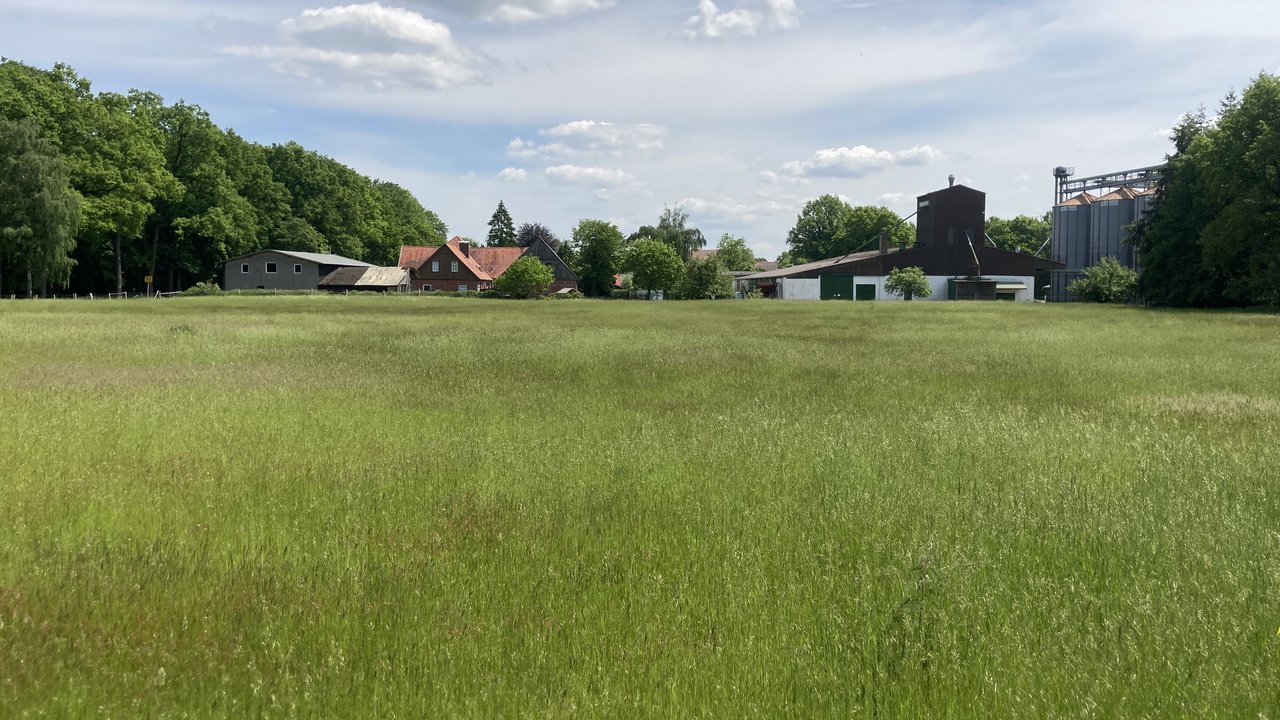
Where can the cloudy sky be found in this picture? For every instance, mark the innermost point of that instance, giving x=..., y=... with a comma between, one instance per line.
x=740, y=110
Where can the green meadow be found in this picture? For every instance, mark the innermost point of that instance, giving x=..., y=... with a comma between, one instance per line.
x=404, y=507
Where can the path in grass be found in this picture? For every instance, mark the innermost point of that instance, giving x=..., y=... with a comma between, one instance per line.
x=409, y=507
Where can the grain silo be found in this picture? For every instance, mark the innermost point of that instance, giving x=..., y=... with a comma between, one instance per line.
x=1112, y=216
x=1072, y=224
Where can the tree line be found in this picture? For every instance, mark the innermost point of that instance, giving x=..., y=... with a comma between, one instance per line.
x=100, y=190
x=658, y=257
x=1212, y=237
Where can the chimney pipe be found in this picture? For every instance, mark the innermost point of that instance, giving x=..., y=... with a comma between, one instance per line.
x=884, y=243
x=951, y=181
x=465, y=247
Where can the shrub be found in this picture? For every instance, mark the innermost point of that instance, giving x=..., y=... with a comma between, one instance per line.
x=527, y=277
x=907, y=283
x=1106, y=282
x=208, y=287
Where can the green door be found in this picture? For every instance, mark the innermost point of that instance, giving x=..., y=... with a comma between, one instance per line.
x=836, y=287
x=865, y=292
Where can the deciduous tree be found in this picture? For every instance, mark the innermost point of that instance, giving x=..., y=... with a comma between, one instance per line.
x=706, y=280
x=527, y=277
x=598, y=243
x=908, y=283
x=734, y=254
x=39, y=212
x=654, y=265
x=1106, y=282
x=530, y=233
x=1020, y=234
x=673, y=229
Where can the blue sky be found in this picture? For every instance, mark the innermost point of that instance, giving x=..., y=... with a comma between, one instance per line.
x=741, y=110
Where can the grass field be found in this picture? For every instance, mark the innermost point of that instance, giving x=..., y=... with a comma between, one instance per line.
x=411, y=508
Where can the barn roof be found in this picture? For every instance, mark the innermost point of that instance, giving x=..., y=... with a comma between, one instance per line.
x=317, y=258
x=455, y=246
x=807, y=267
x=496, y=260
x=368, y=277
x=412, y=256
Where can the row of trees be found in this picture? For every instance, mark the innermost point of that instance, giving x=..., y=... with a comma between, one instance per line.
x=659, y=258
x=1212, y=238
x=98, y=190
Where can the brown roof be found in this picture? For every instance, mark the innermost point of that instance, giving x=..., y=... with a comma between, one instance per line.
x=766, y=265
x=454, y=246
x=819, y=265
x=412, y=256
x=703, y=255
x=1124, y=193
x=496, y=260
x=1079, y=200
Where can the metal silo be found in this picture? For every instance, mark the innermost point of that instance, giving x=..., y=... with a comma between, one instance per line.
x=1112, y=215
x=1072, y=223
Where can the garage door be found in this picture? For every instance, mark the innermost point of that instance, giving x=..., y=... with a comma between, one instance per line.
x=836, y=287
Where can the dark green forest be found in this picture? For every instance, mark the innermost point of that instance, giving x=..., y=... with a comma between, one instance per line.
x=100, y=190
x=1212, y=239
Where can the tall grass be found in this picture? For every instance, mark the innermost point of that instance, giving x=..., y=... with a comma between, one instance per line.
x=417, y=507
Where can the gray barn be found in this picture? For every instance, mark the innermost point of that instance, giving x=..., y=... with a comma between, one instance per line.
x=282, y=270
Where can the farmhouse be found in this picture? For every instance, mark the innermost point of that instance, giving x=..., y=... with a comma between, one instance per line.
x=458, y=267
x=282, y=270
x=949, y=248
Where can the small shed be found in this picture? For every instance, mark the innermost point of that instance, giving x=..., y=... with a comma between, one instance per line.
x=370, y=279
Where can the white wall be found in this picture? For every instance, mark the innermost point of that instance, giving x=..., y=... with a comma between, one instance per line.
x=795, y=289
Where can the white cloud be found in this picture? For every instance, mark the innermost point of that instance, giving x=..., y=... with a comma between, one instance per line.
x=712, y=22
x=579, y=175
x=590, y=138
x=512, y=174
x=514, y=12
x=859, y=161
x=370, y=45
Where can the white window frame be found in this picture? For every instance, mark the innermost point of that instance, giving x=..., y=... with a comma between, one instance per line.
x=427, y=287
x=462, y=287
x=297, y=268
x=453, y=266
x=271, y=268
x=244, y=268
x=435, y=266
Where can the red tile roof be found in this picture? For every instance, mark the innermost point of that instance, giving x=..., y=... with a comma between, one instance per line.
x=496, y=260
x=454, y=246
x=412, y=256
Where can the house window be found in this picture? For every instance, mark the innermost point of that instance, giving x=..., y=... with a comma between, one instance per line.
x=435, y=266
x=461, y=288
x=271, y=268
x=244, y=268
x=297, y=269
x=427, y=288
x=453, y=266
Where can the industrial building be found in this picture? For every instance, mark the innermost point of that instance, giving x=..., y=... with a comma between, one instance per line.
x=949, y=248
x=1092, y=217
